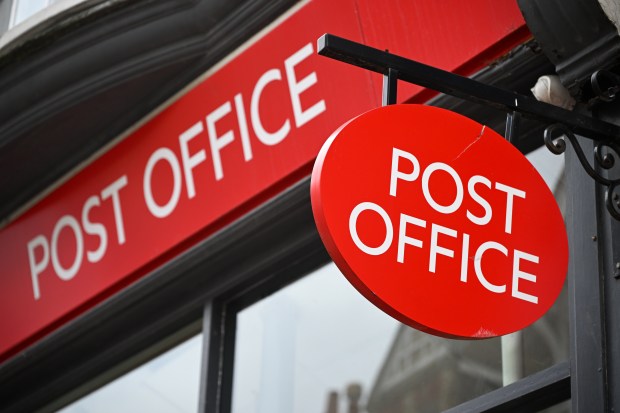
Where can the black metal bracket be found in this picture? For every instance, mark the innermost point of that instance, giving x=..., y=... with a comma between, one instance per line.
x=564, y=124
x=555, y=140
x=605, y=85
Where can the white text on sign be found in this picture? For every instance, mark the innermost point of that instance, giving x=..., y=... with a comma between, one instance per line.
x=409, y=223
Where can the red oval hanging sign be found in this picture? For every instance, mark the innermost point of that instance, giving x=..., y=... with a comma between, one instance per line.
x=439, y=221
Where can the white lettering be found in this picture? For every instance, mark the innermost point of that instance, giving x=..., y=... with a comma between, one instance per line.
x=488, y=212
x=517, y=274
x=266, y=137
x=296, y=88
x=190, y=162
x=218, y=142
x=365, y=206
x=397, y=174
x=439, y=166
x=112, y=191
x=510, y=194
x=67, y=273
x=37, y=268
x=435, y=249
x=465, y=257
x=478, y=265
x=94, y=229
x=243, y=127
x=162, y=211
x=404, y=239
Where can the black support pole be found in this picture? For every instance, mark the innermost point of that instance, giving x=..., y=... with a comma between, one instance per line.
x=584, y=289
x=427, y=76
x=390, y=84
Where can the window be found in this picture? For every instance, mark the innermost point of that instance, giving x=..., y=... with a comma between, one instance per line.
x=318, y=342
x=170, y=382
x=22, y=9
x=14, y=12
x=318, y=346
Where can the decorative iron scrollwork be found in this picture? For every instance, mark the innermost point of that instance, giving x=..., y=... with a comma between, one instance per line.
x=605, y=153
x=605, y=85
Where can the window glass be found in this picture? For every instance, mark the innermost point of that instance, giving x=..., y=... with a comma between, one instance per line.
x=564, y=407
x=23, y=9
x=168, y=383
x=319, y=346
x=26, y=8
x=550, y=167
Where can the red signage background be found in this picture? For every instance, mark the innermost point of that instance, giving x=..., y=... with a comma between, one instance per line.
x=440, y=222
x=96, y=233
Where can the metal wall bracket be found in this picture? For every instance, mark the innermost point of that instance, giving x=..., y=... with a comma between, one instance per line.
x=555, y=140
x=605, y=85
x=564, y=124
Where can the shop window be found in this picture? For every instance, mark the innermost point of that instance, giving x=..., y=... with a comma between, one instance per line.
x=564, y=407
x=20, y=10
x=167, y=383
x=5, y=15
x=319, y=346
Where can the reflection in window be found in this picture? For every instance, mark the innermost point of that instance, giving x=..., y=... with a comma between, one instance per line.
x=26, y=8
x=312, y=337
x=423, y=373
x=168, y=383
x=564, y=407
x=23, y=9
x=318, y=346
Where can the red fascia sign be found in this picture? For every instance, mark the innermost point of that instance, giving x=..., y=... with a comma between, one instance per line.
x=245, y=131
x=234, y=137
x=440, y=222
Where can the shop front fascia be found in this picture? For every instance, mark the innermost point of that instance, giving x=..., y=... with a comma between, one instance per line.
x=164, y=186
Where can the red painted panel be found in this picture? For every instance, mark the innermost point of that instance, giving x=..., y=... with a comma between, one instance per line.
x=417, y=209
x=333, y=89
x=453, y=35
x=197, y=182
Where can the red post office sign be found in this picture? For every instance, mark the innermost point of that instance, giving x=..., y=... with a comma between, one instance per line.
x=440, y=222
